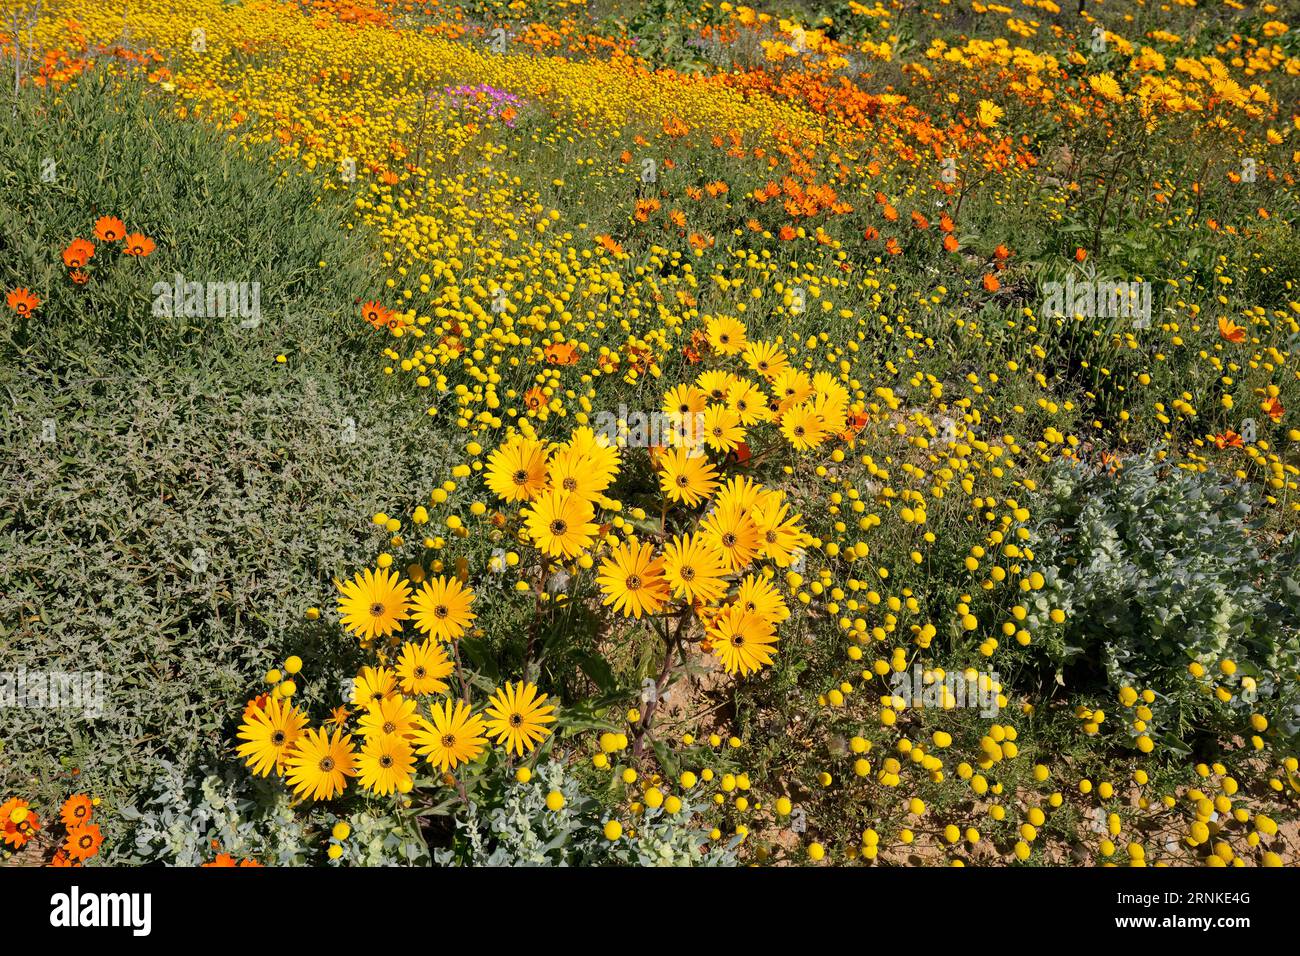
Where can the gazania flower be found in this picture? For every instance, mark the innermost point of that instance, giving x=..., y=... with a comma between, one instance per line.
x=1230, y=331
x=517, y=717
x=747, y=401
x=742, y=641
x=988, y=113
x=757, y=595
x=222, y=861
x=82, y=842
x=78, y=253
x=391, y=716
x=726, y=335
x=269, y=733
x=765, y=359
x=562, y=353
x=77, y=810
x=22, y=301
x=742, y=493
x=803, y=427
x=374, y=603
x=385, y=764
x=714, y=384
x=632, y=580
x=451, y=736
x=138, y=244
x=517, y=470
x=694, y=569
x=109, y=228
x=78, y=276
x=374, y=313
x=18, y=823
x=721, y=429
x=321, y=764
x=422, y=667
x=372, y=685
x=561, y=524
x=791, y=387
x=733, y=532
x=441, y=608
x=686, y=477
x=684, y=402
x=572, y=472
x=601, y=458
x=779, y=534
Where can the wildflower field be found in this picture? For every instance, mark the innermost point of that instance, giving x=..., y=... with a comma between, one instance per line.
x=565, y=432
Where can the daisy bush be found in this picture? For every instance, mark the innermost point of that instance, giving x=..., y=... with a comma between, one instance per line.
x=864, y=437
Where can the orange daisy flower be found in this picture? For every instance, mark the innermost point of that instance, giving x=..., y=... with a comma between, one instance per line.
x=76, y=810
x=22, y=301
x=138, y=244
x=375, y=314
x=83, y=842
x=78, y=253
x=109, y=228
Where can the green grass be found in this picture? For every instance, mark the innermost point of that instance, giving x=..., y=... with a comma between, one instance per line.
x=197, y=494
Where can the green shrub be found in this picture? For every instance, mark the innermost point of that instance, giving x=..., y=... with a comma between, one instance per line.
x=171, y=498
x=509, y=824
x=1157, y=567
x=186, y=818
